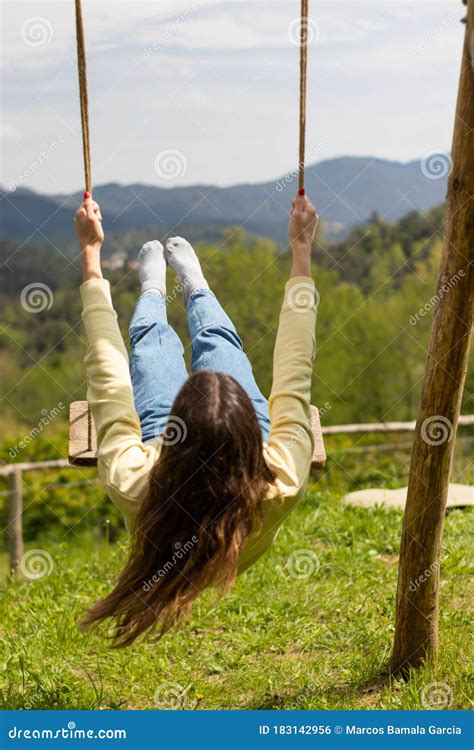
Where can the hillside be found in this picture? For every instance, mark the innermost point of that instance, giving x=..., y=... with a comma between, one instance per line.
x=346, y=191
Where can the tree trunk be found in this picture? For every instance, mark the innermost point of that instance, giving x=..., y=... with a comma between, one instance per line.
x=416, y=629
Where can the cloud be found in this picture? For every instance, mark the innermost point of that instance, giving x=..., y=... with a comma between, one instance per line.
x=9, y=132
x=218, y=80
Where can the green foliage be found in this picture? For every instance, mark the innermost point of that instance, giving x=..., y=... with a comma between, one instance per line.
x=371, y=338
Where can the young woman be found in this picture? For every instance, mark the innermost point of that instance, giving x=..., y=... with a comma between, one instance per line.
x=203, y=468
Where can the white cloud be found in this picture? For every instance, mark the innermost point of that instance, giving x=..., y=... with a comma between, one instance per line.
x=8, y=132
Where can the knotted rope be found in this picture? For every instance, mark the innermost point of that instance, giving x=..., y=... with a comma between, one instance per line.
x=303, y=89
x=82, y=73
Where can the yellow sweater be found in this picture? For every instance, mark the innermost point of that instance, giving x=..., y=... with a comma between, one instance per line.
x=124, y=462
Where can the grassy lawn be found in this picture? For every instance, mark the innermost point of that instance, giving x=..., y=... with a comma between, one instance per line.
x=308, y=627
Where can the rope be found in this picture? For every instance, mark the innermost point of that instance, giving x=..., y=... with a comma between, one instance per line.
x=82, y=73
x=303, y=89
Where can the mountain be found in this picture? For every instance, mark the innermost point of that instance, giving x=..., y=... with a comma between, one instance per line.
x=346, y=192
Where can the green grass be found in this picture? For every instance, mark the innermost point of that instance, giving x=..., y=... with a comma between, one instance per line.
x=276, y=641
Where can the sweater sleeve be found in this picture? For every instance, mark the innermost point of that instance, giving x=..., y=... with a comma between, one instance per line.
x=291, y=442
x=124, y=462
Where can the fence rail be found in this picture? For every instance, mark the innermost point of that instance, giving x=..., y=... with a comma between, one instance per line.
x=346, y=429
x=14, y=474
x=60, y=463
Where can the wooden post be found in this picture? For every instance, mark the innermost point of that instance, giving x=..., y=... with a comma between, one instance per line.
x=416, y=628
x=15, y=519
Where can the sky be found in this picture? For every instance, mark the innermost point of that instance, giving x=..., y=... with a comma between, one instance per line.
x=206, y=91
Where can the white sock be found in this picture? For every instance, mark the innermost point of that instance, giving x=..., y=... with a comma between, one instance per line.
x=152, y=267
x=183, y=260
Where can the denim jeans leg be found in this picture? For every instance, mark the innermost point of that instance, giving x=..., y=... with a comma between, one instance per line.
x=157, y=366
x=217, y=346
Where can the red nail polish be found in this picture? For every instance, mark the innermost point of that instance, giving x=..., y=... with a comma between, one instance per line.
x=301, y=191
x=86, y=196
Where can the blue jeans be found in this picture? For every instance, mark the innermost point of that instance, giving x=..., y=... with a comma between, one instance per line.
x=157, y=364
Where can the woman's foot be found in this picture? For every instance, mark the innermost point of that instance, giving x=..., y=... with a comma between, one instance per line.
x=183, y=260
x=152, y=267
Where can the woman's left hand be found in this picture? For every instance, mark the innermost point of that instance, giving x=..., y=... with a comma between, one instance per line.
x=88, y=222
x=90, y=234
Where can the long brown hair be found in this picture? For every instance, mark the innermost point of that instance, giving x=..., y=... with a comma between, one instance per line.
x=205, y=496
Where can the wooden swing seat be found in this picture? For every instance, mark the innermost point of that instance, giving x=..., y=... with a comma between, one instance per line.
x=83, y=440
